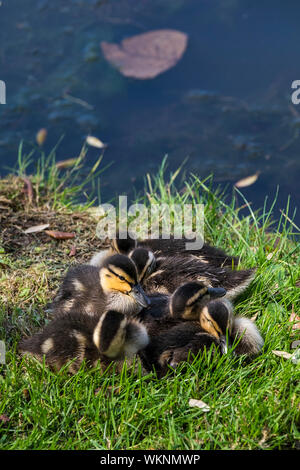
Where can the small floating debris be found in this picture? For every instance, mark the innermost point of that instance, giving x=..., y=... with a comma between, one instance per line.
x=41, y=136
x=248, y=181
x=66, y=163
x=95, y=142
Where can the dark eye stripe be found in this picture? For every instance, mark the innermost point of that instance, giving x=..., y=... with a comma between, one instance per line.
x=120, y=277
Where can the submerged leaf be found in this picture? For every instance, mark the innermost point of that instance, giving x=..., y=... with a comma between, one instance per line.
x=247, y=181
x=146, y=55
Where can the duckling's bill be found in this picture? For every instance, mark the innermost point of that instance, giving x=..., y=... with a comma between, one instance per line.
x=138, y=294
x=216, y=292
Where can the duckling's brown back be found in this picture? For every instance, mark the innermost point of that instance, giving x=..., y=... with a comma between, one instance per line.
x=80, y=291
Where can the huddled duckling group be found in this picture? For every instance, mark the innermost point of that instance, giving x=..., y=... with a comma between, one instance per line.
x=154, y=299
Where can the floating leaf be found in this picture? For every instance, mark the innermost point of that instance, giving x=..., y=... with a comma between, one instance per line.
x=283, y=354
x=60, y=235
x=36, y=228
x=66, y=163
x=95, y=142
x=146, y=55
x=41, y=136
x=247, y=181
x=199, y=404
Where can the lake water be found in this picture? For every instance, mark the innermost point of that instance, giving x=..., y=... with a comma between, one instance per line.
x=226, y=105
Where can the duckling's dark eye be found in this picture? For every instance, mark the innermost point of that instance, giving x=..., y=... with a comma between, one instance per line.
x=122, y=278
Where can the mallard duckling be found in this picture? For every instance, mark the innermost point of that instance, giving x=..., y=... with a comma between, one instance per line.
x=223, y=329
x=144, y=261
x=143, y=258
x=117, y=246
x=175, y=265
x=173, y=339
x=184, y=304
x=172, y=323
x=91, y=290
x=76, y=337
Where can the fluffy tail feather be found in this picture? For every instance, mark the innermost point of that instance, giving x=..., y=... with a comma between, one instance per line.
x=247, y=336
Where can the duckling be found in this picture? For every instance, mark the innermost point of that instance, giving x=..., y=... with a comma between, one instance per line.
x=173, y=322
x=210, y=323
x=143, y=258
x=222, y=330
x=169, y=247
x=144, y=261
x=117, y=245
x=92, y=290
x=77, y=337
x=176, y=265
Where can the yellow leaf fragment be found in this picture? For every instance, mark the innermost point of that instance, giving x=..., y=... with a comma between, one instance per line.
x=247, y=181
x=66, y=163
x=95, y=142
x=41, y=136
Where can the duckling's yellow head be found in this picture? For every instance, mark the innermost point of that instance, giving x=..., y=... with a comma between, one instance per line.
x=144, y=261
x=190, y=298
x=217, y=318
x=118, y=275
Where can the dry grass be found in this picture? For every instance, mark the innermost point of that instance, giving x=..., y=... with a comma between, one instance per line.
x=31, y=265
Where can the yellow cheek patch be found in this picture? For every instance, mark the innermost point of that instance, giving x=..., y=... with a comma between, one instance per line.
x=122, y=273
x=208, y=324
x=114, y=283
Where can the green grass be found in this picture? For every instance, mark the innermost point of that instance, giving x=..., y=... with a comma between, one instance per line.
x=253, y=405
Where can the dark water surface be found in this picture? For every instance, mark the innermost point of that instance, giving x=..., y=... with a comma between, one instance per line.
x=226, y=105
